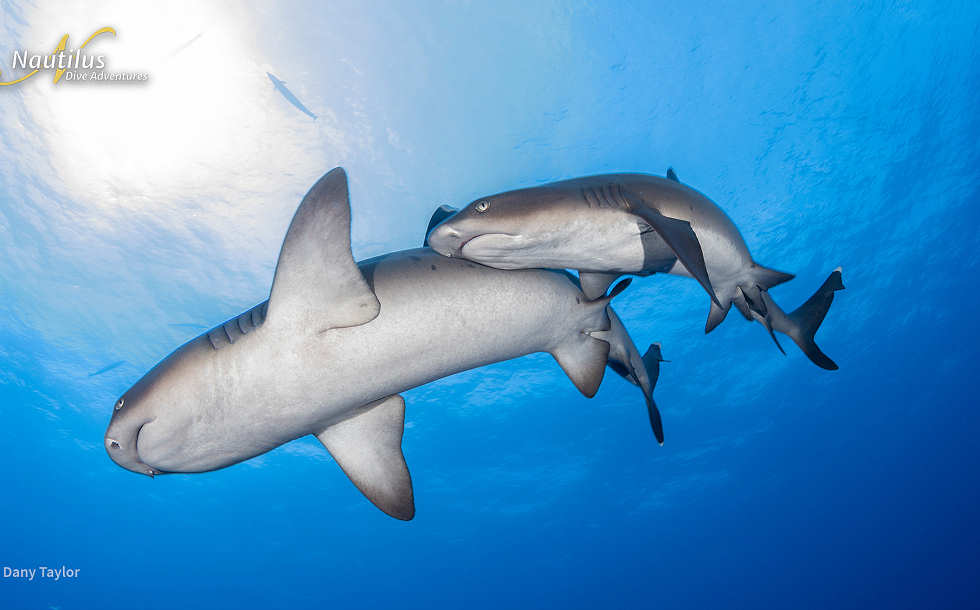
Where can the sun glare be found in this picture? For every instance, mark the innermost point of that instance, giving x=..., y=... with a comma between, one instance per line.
x=203, y=113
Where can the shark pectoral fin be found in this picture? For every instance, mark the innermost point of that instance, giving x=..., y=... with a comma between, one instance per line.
x=672, y=175
x=679, y=235
x=594, y=285
x=442, y=213
x=317, y=283
x=651, y=362
x=368, y=447
x=584, y=361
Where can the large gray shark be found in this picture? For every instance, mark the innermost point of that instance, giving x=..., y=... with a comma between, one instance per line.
x=608, y=225
x=335, y=344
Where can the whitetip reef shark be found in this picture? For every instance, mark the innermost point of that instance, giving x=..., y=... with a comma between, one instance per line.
x=613, y=224
x=337, y=341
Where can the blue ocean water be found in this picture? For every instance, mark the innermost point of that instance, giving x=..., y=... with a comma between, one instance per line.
x=133, y=217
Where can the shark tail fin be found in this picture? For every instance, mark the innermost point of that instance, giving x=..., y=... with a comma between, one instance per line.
x=651, y=362
x=641, y=371
x=801, y=324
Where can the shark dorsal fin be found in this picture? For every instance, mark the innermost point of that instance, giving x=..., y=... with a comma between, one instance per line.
x=317, y=284
x=442, y=213
x=672, y=175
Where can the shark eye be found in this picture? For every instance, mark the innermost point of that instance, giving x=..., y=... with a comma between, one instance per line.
x=120, y=403
x=482, y=206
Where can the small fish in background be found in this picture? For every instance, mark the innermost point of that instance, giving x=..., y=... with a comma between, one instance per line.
x=107, y=368
x=188, y=325
x=286, y=93
x=183, y=46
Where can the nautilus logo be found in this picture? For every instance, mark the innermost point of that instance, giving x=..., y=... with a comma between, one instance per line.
x=70, y=64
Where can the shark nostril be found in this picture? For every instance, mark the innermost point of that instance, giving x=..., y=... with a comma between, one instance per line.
x=114, y=444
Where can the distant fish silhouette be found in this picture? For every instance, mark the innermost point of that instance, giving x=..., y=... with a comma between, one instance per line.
x=190, y=325
x=286, y=93
x=184, y=46
x=107, y=368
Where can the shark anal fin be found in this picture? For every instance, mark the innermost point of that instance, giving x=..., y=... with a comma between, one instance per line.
x=442, y=213
x=594, y=285
x=317, y=283
x=681, y=238
x=368, y=447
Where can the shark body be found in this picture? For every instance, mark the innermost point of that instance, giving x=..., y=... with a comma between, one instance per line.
x=337, y=341
x=613, y=224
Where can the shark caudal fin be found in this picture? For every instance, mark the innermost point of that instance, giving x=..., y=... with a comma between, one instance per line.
x=651, y=363
x=801, y=324
x=641, y=371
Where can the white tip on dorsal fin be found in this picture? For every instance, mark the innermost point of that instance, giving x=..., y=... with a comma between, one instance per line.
x=317, y=284
x=368, y=447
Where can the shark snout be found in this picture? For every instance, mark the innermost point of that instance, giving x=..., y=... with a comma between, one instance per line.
x=121, y=442
x=446, y=240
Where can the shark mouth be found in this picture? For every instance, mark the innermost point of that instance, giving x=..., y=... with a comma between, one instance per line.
x=491, y=246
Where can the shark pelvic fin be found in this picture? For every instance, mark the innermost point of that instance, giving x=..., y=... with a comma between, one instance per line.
x=766, y=278
x=716, y=315
x=672, y=175
x=368, y=447
x=442, y=213
x=317, y=283
x=594, y=285
x=679, y=235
